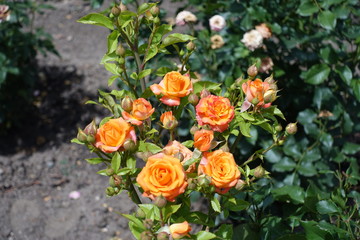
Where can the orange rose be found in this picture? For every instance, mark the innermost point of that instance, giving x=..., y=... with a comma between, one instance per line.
x=180, y=230
x=222, y=169
x=255, y=90
x=111, y=136
x=141, y=110
x=174, y=148
x=203, y=139
x=168, y=120
x=162, y=175
x=173, y=86
x=214, y=111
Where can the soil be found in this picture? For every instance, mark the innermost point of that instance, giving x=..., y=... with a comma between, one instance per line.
x=39, y=167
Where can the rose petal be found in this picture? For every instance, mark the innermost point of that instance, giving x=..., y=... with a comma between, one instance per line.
x=170, y=101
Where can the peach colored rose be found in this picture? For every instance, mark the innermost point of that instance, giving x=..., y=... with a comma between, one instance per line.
x=180, y=230
x=264, y=30
x=173, y=87
x=203, y=139
x=255, y=90
x=111, y=136
x=173, y=148
x=222, y=169
x=168, y=120
x=141, y=110
x=162, y=175
x=215, y=111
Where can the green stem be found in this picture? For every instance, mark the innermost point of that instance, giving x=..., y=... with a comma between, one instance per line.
x=233, y=146
x=127, y=82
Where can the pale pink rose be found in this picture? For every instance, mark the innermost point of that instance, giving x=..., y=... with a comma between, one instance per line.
x=252, y=39
x=217, y=23
x=266, y=65
x=184, y=17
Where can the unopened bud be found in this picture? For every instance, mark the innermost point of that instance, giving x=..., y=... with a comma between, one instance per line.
x=155, y=10
x=162, y=236
x=111, y=182
x=91, y=128
x=291, y=128
x=193, y=99
x=110, y=191
x=121, y=62
x=252, y=71
x=204, y=93
x=273, y=86
x=240, y=185
x=148, y=223
x=160, y=201
x=278, y=128
x=171, y=124
x=109, y=172
x=156, y=20
x=144, y=155
x=225, y=148
x=127, y=104
x=259, y=172
x=146, y=235
x=191, y=184
x=194, y=129
x=117, y=180
x=140, y=213
x=255, y=101
x=238, y=81
x=270, y=79
x=269, y=96
x=115, y=11
x=90, y=139
x=190, y=46
x=204, y=180
x=120, y=50
x=122, y=7
x=129, y=145
x=81, y=136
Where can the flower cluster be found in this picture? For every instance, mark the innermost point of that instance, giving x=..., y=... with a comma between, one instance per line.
x=254, y=38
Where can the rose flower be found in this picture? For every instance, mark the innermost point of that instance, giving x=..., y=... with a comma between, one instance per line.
x=180, y=230
x=141, y=110
x=176, y=149
x=168, y=120
x=215, y=111
x=173, y=86
x=203, y=139
x=162, y=175
x=217, y=23
x=255, y=90
x=222, y=169
x=184, y=17
x=111, y=136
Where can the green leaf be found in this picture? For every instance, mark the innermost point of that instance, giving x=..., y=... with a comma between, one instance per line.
x=307, y=8
x=162, y=71
x=135, y=220
x=97, y=19
x=314, y=232
x=113, y=68
x=245, y=128
x=112, y=41
x=188, y=143
x=115, y=162
x=148, y=147
x=293, y=193
x=102, y=172
x=131, y=163
x=170, y=209
x=210, y=86
x=327, y=20
x=153, y=50
x=316, y=74
x=355, y=85
x=351, y=148
x=112, y=79
x=215, y=204
x=144, y=73
x=236, y=205
x=75, y=140
x=94, y=160
x=203, y=235
x=225, y=231
x=134, y=76
x=176, y=38
x=144, y=7
x=345, y=73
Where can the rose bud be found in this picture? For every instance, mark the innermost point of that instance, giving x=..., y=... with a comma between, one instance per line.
x=81, y=136
x=162, y=236
x=179, y=156
x=127, y=104
x=90, y=139
x=291, y=128
x=109, y=171
x=204, y=180
x=168, y=120
x=252, y=71
x=120, y=50
x=112, y=182
x=204, y=93
x=278, y=128
x=115, y=11
x=241, y=184
x=129, y=145
x=146, y=235
x=270, y=96
x=91, y=128
x=154, y=11
x=180, y=230
x=190, y=46
x=193, y=99
x=191, y=184
x=110, y=191
x=140, y=213
x=160, y=201
x=259, y=172
x=122, y=7
x=117, y=180
x=148, y=223
x=270, y=79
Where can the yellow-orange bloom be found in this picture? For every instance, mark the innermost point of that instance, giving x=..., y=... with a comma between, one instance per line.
x=173, y=86
x=203, y=139
x=111, y=136
x=215, y=111
x=174, y=148
x=180, y=230
x=222, y=169
x=162, y=175
x=255, y=90
x=141, y=110
x=168, y=120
